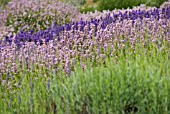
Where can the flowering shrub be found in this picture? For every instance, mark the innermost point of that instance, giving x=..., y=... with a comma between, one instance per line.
x=103, y=62
x=36, y=15
x=94, y=26
x=90, y=39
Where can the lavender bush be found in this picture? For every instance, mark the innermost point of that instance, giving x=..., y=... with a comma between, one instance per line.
x=90, y=39
x=114, y=62
x=36, y=15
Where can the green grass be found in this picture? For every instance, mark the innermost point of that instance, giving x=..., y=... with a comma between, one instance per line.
x=136, y=81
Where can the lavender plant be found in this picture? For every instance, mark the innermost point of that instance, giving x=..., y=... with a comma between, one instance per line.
x=36, y=15
x=94, y=25
x=134, y=83
x=114, y=63
x=88, y=38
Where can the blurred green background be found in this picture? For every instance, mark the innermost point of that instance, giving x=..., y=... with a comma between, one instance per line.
x=92, y=5
x=117, y=4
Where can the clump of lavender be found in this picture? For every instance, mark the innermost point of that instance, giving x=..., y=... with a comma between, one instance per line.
x=93, y=25
x=36, y=15
x=58, y=46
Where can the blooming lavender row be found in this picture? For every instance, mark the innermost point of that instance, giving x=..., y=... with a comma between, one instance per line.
x=34, y=14
x=98, y=24
x=59, y=46
x=71, y=45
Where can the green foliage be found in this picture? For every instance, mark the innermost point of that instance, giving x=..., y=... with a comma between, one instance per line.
x=119, y=4
x=136, y=81
x=87, y=9
x=95, y=0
